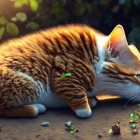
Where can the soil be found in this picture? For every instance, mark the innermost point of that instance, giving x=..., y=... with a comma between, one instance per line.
x=107, y=113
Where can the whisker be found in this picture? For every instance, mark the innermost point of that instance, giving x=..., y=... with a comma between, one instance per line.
x=131, y=99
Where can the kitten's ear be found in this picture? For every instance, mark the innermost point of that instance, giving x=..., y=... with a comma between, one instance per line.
x=119, y=50
x=117, y=43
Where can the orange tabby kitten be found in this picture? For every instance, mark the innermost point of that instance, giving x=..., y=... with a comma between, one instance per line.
x=99, y=64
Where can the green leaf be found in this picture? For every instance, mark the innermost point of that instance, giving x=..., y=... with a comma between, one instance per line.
x=12, y=29
x=20, y=3
x=3, y=20
x=80, y=9
x=136, y=2
x=33, y=5
x=21, y=16
x=2, y=29
x=33, y=25
x=14, y=19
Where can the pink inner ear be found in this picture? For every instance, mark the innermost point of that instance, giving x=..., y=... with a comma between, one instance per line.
x=115, y=49
x=117, y=42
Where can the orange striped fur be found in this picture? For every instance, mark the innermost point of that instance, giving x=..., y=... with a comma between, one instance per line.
x=30, y=63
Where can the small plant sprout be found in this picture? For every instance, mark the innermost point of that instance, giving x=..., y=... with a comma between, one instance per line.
x=132, y=121
x=67, y=74
x=110, y=131
x=71, y=127
x=135, y=117
x=138, y=116
x=131, y=115
x=72, y=132
x=133, y=126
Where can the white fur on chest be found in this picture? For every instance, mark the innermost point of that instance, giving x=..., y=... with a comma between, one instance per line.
x=101, y=41
x=98, y=66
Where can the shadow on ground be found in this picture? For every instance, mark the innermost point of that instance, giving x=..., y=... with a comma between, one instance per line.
x=104, y=116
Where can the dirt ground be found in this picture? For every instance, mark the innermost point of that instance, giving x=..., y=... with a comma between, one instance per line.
x=104, y=116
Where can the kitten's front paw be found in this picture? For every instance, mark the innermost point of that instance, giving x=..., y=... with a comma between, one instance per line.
x=41, y=108
x=83, y=113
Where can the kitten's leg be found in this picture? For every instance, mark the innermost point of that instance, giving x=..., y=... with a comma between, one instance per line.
x=93, y=101
x=73, y=88
x=18, y=92
x=76, y=98
x=74, y=94
x=23, y=111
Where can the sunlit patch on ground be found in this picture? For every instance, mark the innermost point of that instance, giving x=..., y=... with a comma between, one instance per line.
x=108, y=97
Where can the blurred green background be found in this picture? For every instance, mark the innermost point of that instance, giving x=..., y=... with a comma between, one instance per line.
x=19, y=17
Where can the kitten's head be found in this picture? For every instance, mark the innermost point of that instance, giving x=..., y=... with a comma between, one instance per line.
x=123, y=65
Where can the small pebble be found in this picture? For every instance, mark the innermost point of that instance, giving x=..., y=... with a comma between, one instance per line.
x=45, y=123
x=37, y=136
x=116, y=129
x=68, y=124
x=77, y=130
x=99, y=135
x=134, y=131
